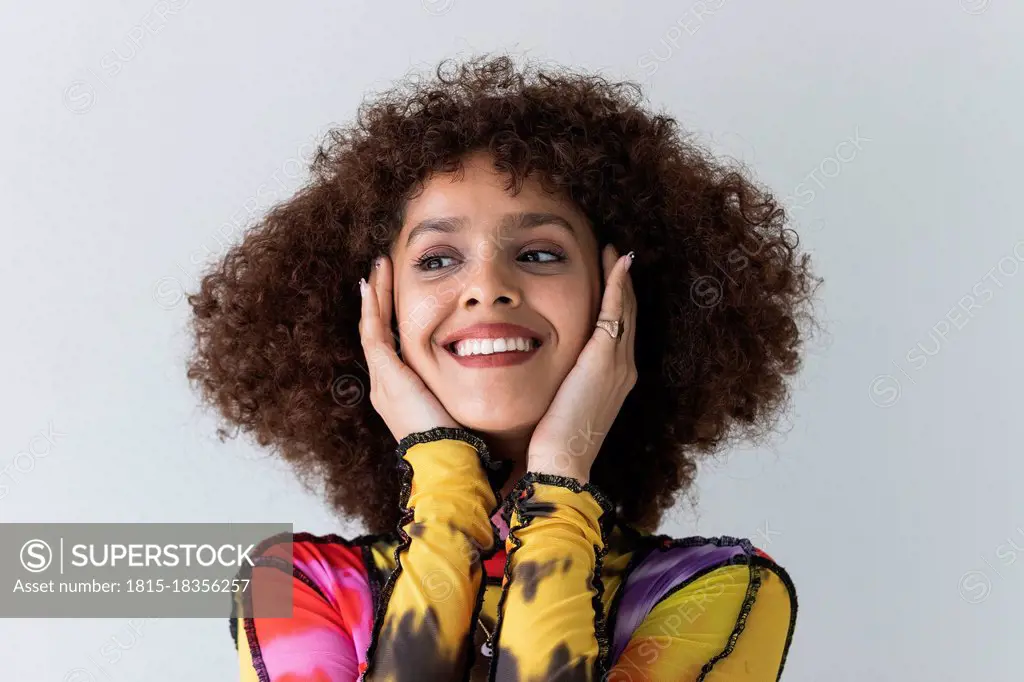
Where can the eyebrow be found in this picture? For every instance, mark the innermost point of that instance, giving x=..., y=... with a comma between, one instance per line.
x=509, y=222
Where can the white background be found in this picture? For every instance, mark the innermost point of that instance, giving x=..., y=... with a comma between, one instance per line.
x=138, y=135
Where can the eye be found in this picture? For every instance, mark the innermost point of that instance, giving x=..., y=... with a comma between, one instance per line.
x=538, y=256
x=432, y=262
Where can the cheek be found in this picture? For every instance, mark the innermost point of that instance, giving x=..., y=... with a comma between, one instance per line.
x=571, y=310
x=419, y=309
x=413, y=311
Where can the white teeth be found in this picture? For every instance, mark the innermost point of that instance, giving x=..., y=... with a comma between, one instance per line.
x=489, y=346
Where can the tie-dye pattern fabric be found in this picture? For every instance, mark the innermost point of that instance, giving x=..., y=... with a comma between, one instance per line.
x=565, y=590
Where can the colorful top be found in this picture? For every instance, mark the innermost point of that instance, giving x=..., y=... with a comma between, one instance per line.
x=547, y=586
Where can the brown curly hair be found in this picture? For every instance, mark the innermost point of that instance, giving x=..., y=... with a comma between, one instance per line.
x=720, y=286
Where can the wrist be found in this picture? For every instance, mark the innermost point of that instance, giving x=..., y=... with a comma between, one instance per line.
x=554, y=495
x=429, y=447
x=559, y=464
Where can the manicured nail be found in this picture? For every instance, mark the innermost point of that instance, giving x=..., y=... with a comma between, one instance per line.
x=376, y=263
x=629, y=259
x=362, y=286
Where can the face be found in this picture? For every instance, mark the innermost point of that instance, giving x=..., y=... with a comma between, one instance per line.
x=495, y=296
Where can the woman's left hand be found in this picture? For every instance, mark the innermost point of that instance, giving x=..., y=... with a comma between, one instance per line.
x=569, y=436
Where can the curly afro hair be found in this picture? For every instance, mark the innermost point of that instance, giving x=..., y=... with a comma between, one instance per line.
x=720, y=285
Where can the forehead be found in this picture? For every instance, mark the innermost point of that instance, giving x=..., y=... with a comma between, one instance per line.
x=478, y=194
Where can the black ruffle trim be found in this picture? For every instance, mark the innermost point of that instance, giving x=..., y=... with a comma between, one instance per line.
x=638, y=554
x=251, y=640
x=531, y=477
x=245, y=573
x=389, y=584
x=741, y=621
x=497, y=472
x=496, y=544
x=492, y=641
x=522, y=491
x=600, y=623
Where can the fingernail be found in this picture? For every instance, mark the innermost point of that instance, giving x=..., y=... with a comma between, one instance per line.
x=629, y=259
x=362, y=286
x=376, y=263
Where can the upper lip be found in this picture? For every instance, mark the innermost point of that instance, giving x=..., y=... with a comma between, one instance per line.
x=490, y=330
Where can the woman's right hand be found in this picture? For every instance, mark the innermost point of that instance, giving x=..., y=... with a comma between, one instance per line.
x=396, y=391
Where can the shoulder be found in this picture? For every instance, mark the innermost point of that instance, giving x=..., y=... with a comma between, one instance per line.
x=707, y=561
x=315, y=555
x=665, y=565
x=326, y=571
x=681, y=560
x=716, y=585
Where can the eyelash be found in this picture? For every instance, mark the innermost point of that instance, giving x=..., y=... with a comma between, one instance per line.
x=421, y=263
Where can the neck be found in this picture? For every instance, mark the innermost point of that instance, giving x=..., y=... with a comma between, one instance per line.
x=517, y=472
x=512, y=446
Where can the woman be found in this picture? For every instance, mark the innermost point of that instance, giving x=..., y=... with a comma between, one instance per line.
x=536, y=398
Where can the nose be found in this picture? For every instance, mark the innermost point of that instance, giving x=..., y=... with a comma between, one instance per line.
x=490, y=282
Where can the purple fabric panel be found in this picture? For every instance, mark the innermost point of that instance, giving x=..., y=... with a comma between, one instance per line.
x=658, y=573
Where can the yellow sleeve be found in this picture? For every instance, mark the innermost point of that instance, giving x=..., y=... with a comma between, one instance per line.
x=732, y=625
x=246, y=671
x=550, y=617
x=423, y=629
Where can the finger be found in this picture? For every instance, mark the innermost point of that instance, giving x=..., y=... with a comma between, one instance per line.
x=629, y=316
x=613, y=300
x=376, y=341
x=381, y=304
x=620, y=278
x=624, y=283
x=609, y=255
x=367, y=328
x=384, y=286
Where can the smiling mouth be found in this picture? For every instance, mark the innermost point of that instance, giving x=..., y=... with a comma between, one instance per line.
x=485, y=347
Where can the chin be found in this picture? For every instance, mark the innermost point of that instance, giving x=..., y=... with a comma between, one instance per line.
x=493, y=419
